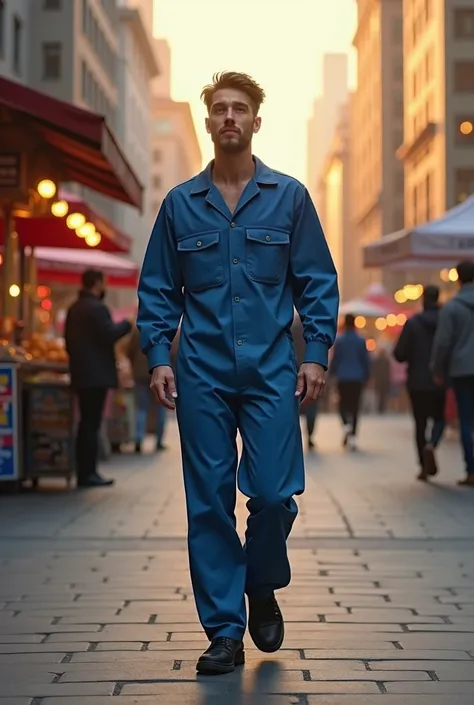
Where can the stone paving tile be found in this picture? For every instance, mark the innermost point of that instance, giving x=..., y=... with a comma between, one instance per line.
x=109, y=616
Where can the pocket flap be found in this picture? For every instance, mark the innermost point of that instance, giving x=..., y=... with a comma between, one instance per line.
x=194, y=243
x=268, y=237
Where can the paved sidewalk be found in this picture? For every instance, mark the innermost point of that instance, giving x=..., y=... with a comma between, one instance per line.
x=95, y=597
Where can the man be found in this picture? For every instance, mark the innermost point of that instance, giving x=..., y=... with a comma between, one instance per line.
x=453, y=359
x=144, y=397
x=230, y=251
x=428, y=400
x=310, y=411
x=90, y=339
x=350, y=366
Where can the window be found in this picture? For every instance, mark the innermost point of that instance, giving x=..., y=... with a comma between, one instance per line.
x=428, y=192
x=464, y=23
x=157, y=181
x=464, y=184
x=464, y=131
x=52, y=4
x=157, y=156
x=464, y=76
x=52, y=60
x=2, y=28
x=17, y=33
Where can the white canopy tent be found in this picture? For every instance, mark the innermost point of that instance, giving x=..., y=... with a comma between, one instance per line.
x=439, y=243
x=361, y=307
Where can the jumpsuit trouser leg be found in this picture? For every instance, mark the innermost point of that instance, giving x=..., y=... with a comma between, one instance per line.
x=271, y=471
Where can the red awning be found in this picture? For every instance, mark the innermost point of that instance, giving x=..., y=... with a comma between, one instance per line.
x=63, y=266
x=84, y=145
x=53, y=232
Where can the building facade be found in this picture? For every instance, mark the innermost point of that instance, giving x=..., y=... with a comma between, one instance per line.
x=377, y=190
x=137, y=67
x=14, y=40
x=324, y=117
x=438, y=148
x=335, y=212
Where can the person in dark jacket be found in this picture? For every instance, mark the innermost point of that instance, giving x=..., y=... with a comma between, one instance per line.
x=453, y=359
x=91, y=335
x=350, y=366
x=428, y=400
x=311, y=410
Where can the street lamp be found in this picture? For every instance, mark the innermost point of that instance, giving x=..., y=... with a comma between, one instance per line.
x=46, y=188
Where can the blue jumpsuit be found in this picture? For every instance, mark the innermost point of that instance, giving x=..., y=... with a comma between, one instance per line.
x=234, y=279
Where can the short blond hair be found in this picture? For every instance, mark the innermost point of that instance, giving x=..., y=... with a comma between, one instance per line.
x=239, y=81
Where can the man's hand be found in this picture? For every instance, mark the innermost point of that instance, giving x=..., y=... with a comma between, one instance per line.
x=163, y=386
x=311, y=381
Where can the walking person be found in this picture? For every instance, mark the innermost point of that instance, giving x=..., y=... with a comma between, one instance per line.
x=231, y=250
x=381, y=379
x=350, y=367
x=144, y=397
x=428, y=400
x=309, y=411
x=90, y=336
x=453, y=359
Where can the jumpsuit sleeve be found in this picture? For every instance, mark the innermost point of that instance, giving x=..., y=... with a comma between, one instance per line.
x=314, y=281
x=160, y=292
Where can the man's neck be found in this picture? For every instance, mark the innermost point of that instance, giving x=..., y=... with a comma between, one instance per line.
x=233, y=169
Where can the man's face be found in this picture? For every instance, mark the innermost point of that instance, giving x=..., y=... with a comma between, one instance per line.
x=232, y=121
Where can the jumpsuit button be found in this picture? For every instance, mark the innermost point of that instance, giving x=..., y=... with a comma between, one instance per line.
x=199, y=243
x=232, y=225
x=239, y=342
x=235, y=260
x=268, y=238
x=236, y=299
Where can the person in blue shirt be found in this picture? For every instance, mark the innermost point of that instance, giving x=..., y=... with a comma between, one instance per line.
x=232, y=250
x=350, y=366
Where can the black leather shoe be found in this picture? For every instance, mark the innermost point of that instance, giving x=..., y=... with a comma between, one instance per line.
x=266, y=625
x=94, y=480
x=222, y=656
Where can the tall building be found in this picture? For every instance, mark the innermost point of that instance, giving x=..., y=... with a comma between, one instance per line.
x=324, y=116
x=438, y=148
x=137, y=67
x=176, y=155
x=377, y=124
x=335, y=211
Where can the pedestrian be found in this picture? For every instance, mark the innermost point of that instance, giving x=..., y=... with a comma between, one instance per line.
x=231, y=250
x=90, y=337
x=350, y=367
x=144, y=397
x=428, y=400
x=453, y=359
x=381, y=378
x=309, y=411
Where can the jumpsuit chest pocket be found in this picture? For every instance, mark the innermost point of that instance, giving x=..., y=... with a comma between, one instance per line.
x=201, y=260
x=268, y=252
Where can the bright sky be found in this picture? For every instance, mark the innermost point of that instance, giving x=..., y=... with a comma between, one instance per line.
x=278, y=42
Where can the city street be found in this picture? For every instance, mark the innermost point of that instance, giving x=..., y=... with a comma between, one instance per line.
x=96, y=601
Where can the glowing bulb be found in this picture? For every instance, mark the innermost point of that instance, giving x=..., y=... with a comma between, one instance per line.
x=466, y=127
x=380, y=323
x=391, y=320
x=94, y=239
x=14, y=291
x=400, y=296
x=75, y=220
x=453, y=275
x=401, y=319
x=59, y=209
x=46, y=188
x=360, y=322
x=85, y=230
x=370, y=344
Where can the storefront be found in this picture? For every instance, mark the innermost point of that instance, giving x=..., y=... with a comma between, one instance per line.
x=44, y=144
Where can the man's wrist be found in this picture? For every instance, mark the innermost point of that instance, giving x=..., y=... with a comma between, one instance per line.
x=158, y=356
